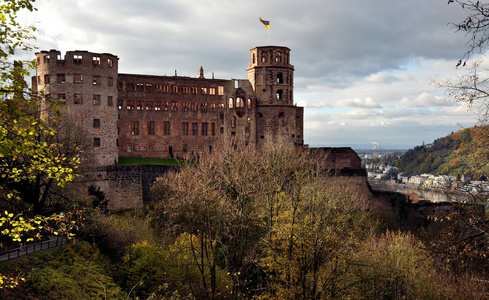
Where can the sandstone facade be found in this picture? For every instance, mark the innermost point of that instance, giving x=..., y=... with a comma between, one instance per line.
x=130, y=115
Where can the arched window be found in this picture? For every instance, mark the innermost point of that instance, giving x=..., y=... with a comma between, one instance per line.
x=248, y=120
x=264, y=56
x=249, y=103
x=233, y=121
x=239, y=102
x=280, y=78
x=279, y=94
x=278, y=57
x=231, y=103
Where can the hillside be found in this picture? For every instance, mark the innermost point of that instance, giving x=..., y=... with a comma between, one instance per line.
x=450, y=155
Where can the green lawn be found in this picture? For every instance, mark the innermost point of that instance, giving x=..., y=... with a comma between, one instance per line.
x=124, y=161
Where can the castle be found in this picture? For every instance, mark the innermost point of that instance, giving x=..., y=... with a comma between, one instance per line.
x=132, y=115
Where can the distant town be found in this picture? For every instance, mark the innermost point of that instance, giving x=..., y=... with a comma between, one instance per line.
x=380, y=168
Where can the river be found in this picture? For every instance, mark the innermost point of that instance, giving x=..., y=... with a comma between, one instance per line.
x=426, y=194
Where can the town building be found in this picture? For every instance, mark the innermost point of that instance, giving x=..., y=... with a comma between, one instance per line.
x=133, y=115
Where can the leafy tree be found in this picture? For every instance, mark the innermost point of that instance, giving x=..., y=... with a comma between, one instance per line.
x=30, y=163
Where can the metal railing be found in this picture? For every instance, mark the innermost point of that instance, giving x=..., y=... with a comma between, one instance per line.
x=31, y=248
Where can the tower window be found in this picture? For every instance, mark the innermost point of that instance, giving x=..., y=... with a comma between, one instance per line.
x=60, y=78
x=278, y=57
x=110, y=101
x=184, y=128
x=239, y=102
x=231, y=103
x=96, y=100
x=77, y=59
x=78, y=78
x=195, y=128
x=249, y=103
x=280, y=94
x=96, y=123
x=204, y=129
x=96, y=142
x=110, y=62
x=46, y=79
x=78, y=98
x=280, y=78
x=110, y=81
x=96, y=60
x=97, y=80
x=233, y=121
x=264, y=57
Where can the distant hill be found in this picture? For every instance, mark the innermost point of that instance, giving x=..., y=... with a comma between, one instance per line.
x=447, y=155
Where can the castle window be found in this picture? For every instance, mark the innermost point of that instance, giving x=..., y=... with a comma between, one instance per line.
x=185, y=106
x=184, y=128
x=174, y=106
x=139, y=105
x=278, y=57
x=203, y=107
x=110, y=62
x=166, y=128
x=96, y=100
x=249, y=103
x=139, y=87
x=233, y=121
x=264, y=57
x=78, y=98
x=149, y=105
x=221, y=130
x=129, y=148
x=96, y=123
x=185, y=148
x=78, y=78
x=231, y=103
x=221, y=107
x=248, y=121
x=203, y=91
x=253, y=58
x=193, y=90
x=149, y=87
x=77, y=59
x=110, y=101
x=165, y=89
x=157, y=105
x=96, y=142
x=195, y=128
x=221, y=117
x=239, y=102
x=281, y=115
x=174, y=89
x=46, y=58
x=119, y=104
x=194, y=106
x=204, y=129
x=165, y=105
x=213, y=128
x=185, y=90
x=212, y=91
x=260, y=115
x=212, y=107
x=220, y=90
x=96, y=60
x=60, y=78
x=130, y=86
x=280, y=78
x=279, y=94
x=110, y=81
x=97, y=80
x=46, y=79
x=151, y=128
x=61, y=97
x=135, y=128
x=130, y=104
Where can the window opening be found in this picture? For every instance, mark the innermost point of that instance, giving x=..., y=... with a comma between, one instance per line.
x=135, y=128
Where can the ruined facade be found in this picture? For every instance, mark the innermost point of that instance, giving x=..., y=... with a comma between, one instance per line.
x=130, y=115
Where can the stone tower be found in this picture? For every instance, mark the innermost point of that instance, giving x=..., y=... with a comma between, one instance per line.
x=272, y=77
x=87, y=82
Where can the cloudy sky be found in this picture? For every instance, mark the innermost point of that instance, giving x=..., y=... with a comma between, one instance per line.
x=364, y=70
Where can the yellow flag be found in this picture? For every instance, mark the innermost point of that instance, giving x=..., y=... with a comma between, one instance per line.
x=266, y=23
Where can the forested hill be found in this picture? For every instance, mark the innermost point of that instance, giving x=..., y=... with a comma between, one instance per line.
x=447, y=155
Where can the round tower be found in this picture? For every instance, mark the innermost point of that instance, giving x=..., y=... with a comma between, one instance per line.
x=272, y=75
x=87, y=83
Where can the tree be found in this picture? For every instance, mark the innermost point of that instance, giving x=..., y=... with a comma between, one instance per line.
x=29, y=165
x=30, y=161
